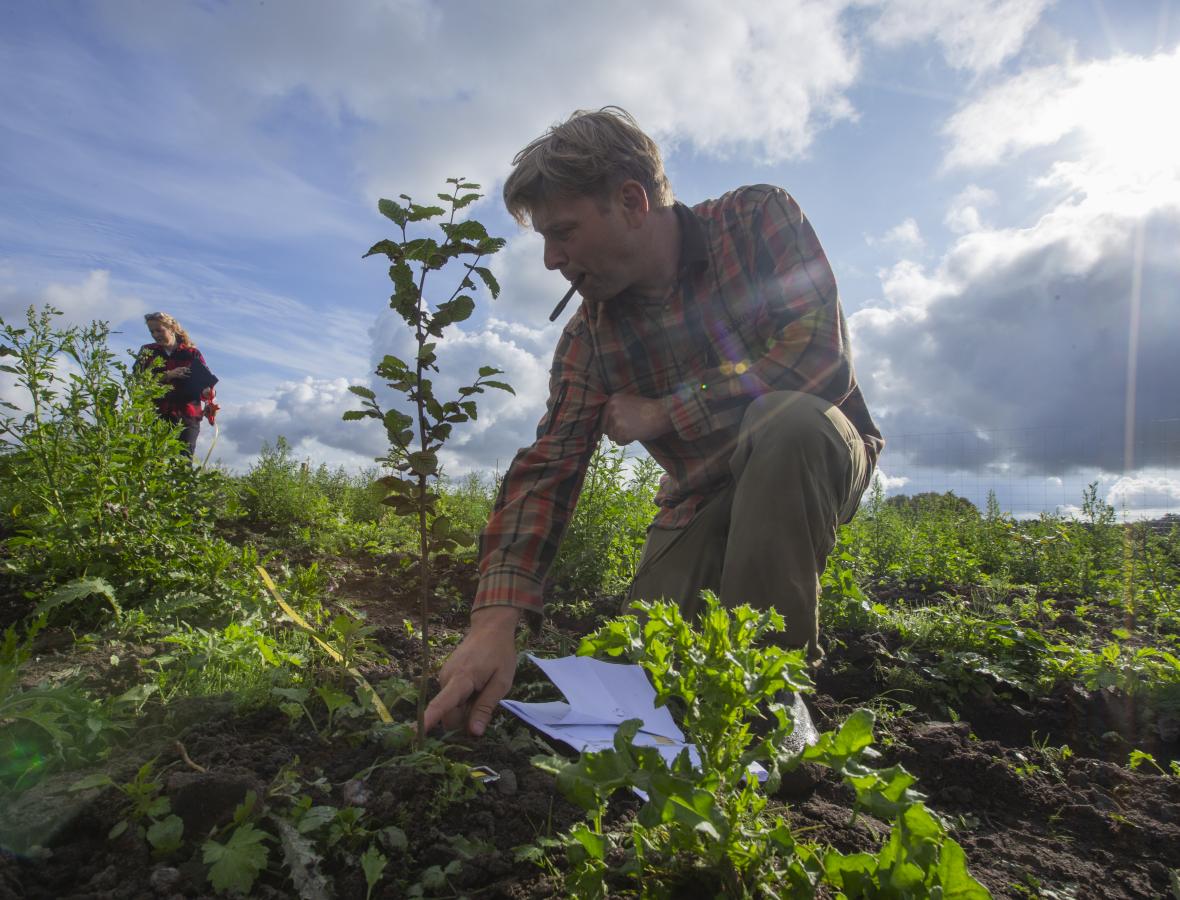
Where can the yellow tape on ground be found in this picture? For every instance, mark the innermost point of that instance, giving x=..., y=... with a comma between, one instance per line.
x=378, y=704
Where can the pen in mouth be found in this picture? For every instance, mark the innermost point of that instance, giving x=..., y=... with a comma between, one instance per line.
x=566, y=299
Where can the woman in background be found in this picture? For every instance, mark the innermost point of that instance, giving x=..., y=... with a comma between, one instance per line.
x=184, y=370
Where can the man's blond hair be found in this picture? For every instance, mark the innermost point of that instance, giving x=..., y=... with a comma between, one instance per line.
x=588, y=155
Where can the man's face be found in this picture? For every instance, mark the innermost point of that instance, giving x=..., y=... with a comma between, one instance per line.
x=586, y=236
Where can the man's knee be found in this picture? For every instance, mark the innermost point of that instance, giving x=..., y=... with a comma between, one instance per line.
x=787, y=418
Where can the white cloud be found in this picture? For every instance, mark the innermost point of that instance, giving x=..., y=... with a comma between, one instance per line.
x=80, y=302
x=506, y=421
x=1145, y=489
x=977, y=35
x=905, y=235
x=1123, y=146
x=963, y=215
x=887, y=482
x=306, y=412
x=412, y=68
x=1029, y=329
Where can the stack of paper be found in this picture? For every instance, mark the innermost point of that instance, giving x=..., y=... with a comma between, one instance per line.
x=601, y=697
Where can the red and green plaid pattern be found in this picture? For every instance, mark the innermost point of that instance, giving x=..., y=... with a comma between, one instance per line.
x=177, y=404
x=755, y=310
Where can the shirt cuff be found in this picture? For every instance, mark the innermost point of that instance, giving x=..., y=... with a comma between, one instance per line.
x=688, y=411
x=506, y=587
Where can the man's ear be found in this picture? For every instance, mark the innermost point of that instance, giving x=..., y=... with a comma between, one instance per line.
x=634, y=202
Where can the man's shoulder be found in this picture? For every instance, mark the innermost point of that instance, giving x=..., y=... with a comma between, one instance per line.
x=747, y=198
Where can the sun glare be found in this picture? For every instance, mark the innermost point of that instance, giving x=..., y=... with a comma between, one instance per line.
x=1132, y=132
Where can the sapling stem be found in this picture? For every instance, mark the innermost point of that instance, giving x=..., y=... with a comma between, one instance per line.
x=428, y=425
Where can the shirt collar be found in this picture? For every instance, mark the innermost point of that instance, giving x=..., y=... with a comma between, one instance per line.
x=694, y=253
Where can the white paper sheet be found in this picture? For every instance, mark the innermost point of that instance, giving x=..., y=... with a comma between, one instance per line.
x=601, y=696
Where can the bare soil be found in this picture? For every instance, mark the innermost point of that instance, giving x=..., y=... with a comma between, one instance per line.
x=1034, y=822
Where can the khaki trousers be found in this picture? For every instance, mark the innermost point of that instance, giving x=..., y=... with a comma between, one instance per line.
x=799, y=471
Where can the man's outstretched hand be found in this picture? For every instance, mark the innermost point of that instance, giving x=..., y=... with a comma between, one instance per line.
x=478, y=674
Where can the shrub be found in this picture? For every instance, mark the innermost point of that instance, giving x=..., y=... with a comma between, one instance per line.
x=92, y=482
x=604, y=541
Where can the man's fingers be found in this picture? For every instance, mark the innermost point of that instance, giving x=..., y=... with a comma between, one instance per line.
x=452, y=696
x=485, y=704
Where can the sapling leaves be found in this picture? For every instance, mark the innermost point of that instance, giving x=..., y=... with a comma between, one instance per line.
x=393, y=211
x=423, y=462
x=489, y=279
x=418, y=213
x=430, y=422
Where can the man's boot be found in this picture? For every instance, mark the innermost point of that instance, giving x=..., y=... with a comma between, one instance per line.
x=799, y=782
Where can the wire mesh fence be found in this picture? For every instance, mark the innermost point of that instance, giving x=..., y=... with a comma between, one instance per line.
x=1043, y=469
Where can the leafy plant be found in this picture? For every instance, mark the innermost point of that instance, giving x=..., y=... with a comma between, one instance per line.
x=93, y=484
x=236, y=864
x=416, y=437
x=373, y=863
x=1139, y=757
x=149, y=812
x=601, y=548
x=707, y=824
x=47, y=725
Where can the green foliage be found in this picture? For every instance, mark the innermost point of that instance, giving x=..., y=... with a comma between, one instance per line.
x=373, y=863
x=1004, y=633
x=47, y=726
x=721, y=676
x=708, y=825
x=314, y=833
x=928, y=536
x=237, y=863
x=415, y=438
x=943, y=540
x=467, y=502
x=92, y=483
x=602, y=545
x=296, y=499
x=149, y=812
x=1139, y=757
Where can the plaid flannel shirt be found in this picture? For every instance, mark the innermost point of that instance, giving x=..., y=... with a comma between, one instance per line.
x=755, y=309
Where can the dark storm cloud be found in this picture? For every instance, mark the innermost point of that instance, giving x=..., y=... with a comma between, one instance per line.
x=1024, y=361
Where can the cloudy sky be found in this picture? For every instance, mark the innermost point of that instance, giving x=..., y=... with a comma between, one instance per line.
x=996, y=183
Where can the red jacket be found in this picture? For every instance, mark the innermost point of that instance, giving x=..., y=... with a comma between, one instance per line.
x=183, y=400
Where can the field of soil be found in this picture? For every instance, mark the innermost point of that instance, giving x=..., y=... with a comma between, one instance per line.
x=1035, y=821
